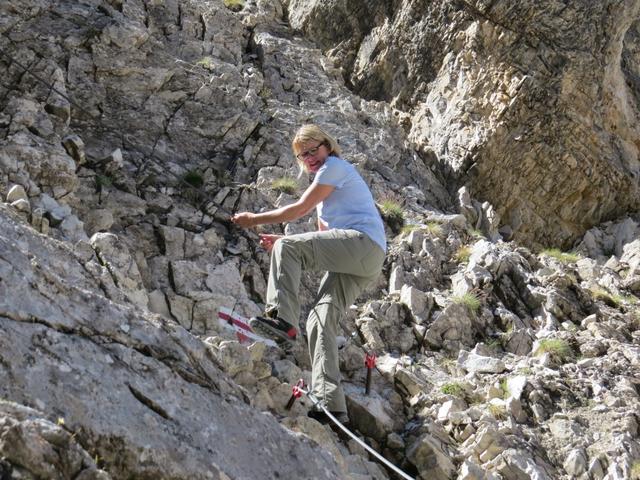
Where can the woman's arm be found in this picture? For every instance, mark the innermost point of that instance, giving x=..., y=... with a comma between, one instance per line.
x=312, y=196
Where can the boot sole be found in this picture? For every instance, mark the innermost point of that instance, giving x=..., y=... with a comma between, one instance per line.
x=274, y=334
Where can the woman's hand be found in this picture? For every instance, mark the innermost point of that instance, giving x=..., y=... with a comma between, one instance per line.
x=267, y=241
x=244, y=219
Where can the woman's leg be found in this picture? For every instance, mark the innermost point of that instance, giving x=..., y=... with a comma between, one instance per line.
x=337, y=292
x=340, y=251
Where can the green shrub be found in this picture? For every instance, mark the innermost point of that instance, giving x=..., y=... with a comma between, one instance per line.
x=469, y=300
x=103, y=181
x=564, y=257
x=234, y=5
x=463, y=254
x=455, y=389
x=193, y=178
x=558, y=349
x=286, y=185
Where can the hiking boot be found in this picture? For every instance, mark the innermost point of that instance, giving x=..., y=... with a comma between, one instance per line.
x=275, y=328
x=323, y=418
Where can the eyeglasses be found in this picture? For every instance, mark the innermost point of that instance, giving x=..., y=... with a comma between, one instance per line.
x=310, y=152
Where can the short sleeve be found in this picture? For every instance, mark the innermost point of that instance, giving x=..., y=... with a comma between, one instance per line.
x=333, y=173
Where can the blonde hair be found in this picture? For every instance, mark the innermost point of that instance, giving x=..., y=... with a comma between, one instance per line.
x=311, y=132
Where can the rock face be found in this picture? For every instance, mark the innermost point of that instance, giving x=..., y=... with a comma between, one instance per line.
x=140, y=127
x=143, y=395
x=496, y=91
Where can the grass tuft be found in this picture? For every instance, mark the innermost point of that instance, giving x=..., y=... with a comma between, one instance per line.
x=455, y=389
x=559, y=349
x=499, y=412
x=564, y=257
x=234, y=5
x=286, y=185
x=469, y=300
x=604, y=296
x=392, y=212
x=477, y=234
x=505, y=388
x=206, y=62
x=434, y=229
x=463, y=254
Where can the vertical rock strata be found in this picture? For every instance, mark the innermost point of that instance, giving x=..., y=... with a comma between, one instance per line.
x=533, y=105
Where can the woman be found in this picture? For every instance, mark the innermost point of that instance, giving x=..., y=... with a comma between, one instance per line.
x=349, y=245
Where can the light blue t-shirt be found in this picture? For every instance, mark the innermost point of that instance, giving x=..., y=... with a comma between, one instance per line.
x=350, y=205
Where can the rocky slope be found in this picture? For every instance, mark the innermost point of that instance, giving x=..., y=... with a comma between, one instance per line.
x=131, y=130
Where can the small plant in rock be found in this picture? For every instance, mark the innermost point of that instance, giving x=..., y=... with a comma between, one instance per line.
x=434, y=229
x=477, y=234
x=505, y=388
x=455, y=389
x=499, y=412
x=469, y=300
x=206, y=62
x=622, y=299
x=558, y=349
x=602, y=295
x=103, y=181
x=193, y=178
x=494, y=344
x=635, y=471
x=265, y=93
x=286, y=185
x=463, y=254
x=234, y=5
x=392, y=212
x=410, y=227
x=563, y=257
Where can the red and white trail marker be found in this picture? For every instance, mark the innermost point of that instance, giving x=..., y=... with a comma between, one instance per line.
x=231, y=320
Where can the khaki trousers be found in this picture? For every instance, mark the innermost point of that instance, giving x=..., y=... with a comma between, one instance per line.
x=351, y=261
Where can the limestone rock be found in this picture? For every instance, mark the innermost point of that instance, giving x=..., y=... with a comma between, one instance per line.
x=474, y=363
x=17, y=192
x=121, y=374
x=430, y=458
x=113, y=253
x=74, y=146
x=21, y=205
x=445, y=104
x=37, y=447
x=452, y=328
x=372, y=415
